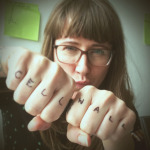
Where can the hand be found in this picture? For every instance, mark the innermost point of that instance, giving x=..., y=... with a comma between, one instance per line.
x=40, y=84
x=100, y=113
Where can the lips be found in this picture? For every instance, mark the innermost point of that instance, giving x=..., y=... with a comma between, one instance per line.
x=81, y=84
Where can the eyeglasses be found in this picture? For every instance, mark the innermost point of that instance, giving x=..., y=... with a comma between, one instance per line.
x=70, y=55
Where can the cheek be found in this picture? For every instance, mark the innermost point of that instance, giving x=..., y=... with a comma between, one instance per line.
x=99, y=76
x=67, y=68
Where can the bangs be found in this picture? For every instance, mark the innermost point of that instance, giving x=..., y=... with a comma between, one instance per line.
x=87, y=18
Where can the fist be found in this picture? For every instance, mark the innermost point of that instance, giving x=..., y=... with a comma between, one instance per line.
x=38, y=83
x=100, y=113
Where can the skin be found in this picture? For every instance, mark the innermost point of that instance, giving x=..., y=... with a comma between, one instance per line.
x=108, y=110
x=83, y=71
x=50, y=86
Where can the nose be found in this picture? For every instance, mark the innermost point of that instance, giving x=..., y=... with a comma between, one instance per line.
x=82, y=66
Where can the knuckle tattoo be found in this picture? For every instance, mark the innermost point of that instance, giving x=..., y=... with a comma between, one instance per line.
x=30, y=83
x=96, y=109
x=80, y=101
x=18, y=74
x=110, y=119
x=123, y=126
x=60, y=101
x=43, y=92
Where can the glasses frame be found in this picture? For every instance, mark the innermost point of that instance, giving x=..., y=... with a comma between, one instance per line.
x=82, y=52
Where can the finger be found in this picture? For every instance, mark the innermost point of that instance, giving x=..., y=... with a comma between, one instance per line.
x=32, y=78
x=126, y=125
x=57, y=104
x=49, y=87
x=93, y=118
x=38, y=124
x=95, y=114
x=111, y=120
x=81, y=103
x=75, y=135
x=46, y=90
x=26, y=87
x=16, y=66
x=40, y=97
x=15, y=74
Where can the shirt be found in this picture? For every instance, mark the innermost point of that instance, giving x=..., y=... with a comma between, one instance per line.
x=15, y=120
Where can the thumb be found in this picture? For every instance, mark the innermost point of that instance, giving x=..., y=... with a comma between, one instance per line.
x=74, y=95
x=76, y=135
x=38, y=124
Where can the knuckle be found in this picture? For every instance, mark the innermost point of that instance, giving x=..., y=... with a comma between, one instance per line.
x=132, y=116
x=102, y=136
x=49, y=116
x=89, y=88
x=71, y=120
x=122, y=104
x=108, y=97
x=56, y=68
x=103, y=133
x=86, y=128
x=32, y=110
x=19, y=98
x=110, y=94
x=26, y=54
x=42, y=63
x=55, y=71
x=11, y=84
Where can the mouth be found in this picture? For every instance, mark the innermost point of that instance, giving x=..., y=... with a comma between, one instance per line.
x=81, y=84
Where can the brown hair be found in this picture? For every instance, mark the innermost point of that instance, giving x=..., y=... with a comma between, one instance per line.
x=95, y=20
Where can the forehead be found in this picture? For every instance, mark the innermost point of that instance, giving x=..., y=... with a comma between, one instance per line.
x=80, y=41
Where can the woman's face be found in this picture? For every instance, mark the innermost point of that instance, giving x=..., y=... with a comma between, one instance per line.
x=82, y=71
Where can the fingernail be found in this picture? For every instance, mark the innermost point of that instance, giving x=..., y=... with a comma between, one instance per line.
x=31, y=126
x=83, y=140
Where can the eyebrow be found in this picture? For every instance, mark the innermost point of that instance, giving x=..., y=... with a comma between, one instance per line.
x=71, y=42
x=74, y=43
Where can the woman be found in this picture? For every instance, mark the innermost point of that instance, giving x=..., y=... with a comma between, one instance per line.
x=84, y=38
x=91, y=20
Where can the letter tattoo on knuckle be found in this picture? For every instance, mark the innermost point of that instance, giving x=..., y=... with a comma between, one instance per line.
x=18, y=74
x=60, y=103
x=110, y=119
x=96, y=109
x=43, y=92
x=80, y=101
x=123, y=126
x=30, y=83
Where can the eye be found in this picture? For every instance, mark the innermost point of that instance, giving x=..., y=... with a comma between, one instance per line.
x=70, y=48
x=99, y=52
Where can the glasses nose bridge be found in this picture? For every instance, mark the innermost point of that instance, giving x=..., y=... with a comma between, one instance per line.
x=83, y=52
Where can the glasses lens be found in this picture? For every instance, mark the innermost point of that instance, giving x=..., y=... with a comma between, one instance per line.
x=68, y=54
x=71, y=54
x=99, y=57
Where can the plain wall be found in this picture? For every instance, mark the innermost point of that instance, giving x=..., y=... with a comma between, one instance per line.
x=138, y=53
x=131, y=14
